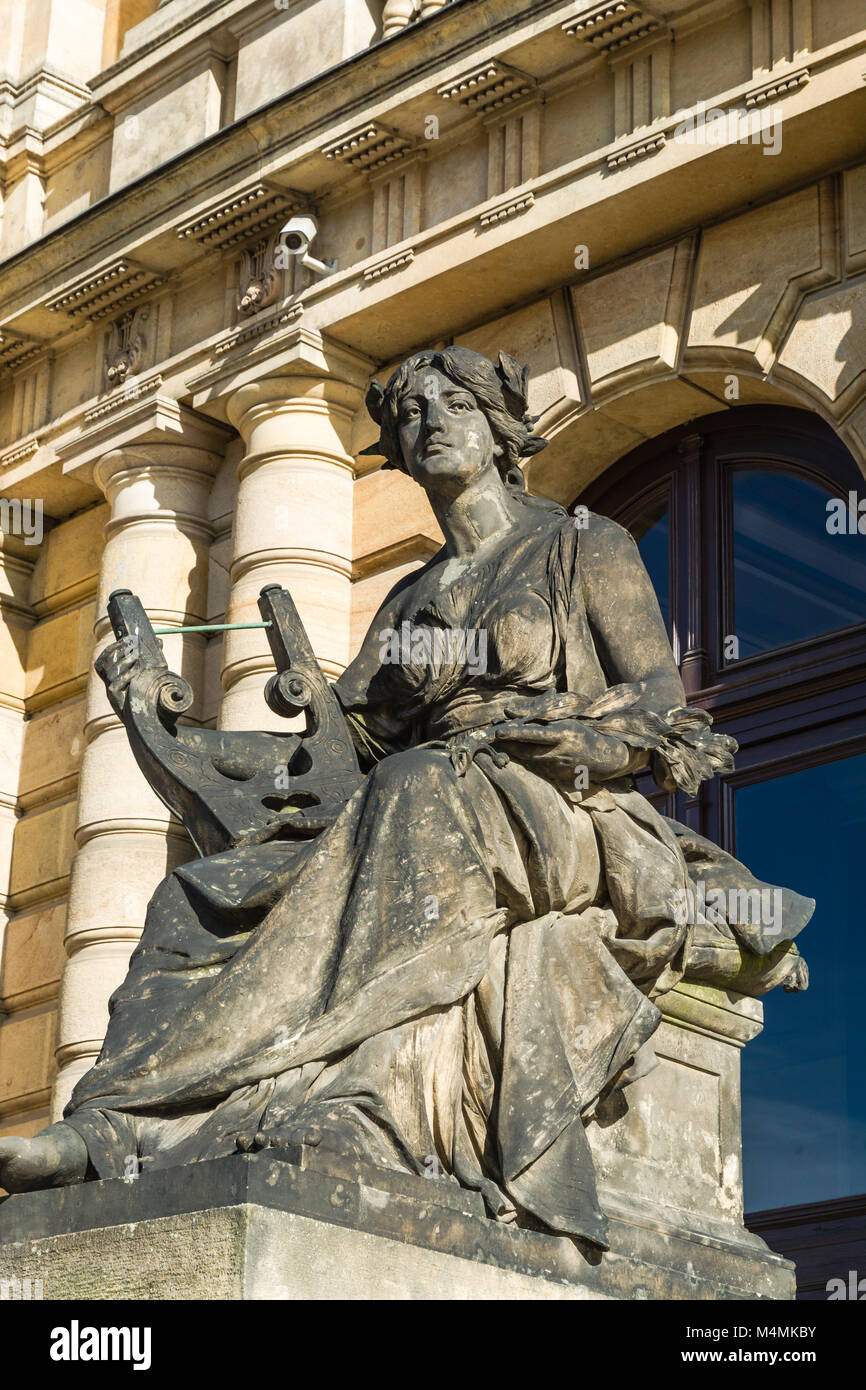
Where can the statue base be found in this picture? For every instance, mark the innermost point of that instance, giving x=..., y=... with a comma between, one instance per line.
x=257, y=1227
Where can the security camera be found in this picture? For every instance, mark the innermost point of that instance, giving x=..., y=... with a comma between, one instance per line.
x=296, y=236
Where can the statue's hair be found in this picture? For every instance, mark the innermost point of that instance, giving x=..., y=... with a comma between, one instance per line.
x=499, y=389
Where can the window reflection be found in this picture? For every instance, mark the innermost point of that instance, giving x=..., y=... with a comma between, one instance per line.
x=804, y=1076
x=652, y=531
x=792, y=578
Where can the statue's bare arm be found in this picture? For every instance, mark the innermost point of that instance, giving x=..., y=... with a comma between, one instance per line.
x=624, y=615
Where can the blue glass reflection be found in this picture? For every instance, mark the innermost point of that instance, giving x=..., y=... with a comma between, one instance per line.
x=652, y=531
x=792, y=578
x=804, y=1076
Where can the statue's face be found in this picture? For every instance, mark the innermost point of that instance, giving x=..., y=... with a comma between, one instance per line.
x=445, y=438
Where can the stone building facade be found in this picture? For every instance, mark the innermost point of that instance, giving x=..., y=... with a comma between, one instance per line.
x=661, y=208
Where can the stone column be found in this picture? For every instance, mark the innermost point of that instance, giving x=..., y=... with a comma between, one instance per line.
x=293, y=520
x=16, y=620
x=157, y=542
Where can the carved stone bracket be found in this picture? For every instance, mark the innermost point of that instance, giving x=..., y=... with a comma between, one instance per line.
x=388, y=265
x=115, y=286
x=488, y=87
x=250, y=211
x=126, y=346
x=19, y=452
x=240, y=337
x=16, y=349
x=395, y=166
x=509, y=208
x=779, y=87
x=261, y=280
x=638, y=149
x=612, y=26
x=509, y=101
x=369, y=147
x=134, y=389
x=397, y=198
x=637, y=46
x=781, y=33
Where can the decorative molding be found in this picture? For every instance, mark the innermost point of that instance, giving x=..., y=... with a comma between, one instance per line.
x=509, y=208
x=642, y=84
x=397, y=196
x=239, y=218
x=42, y=79
x=256, y=330
x=639, y=149
x=16, y=349
x=371, y=146
x=488, y=87
x=126, y=346
x=60, y=788
x=781, y=32
x=779, y=87
x=637, y=46
x=137, y=416
x=513, y=145
x=133, y=390
x=19, y=452
x=389, y=264
x=613, y=26
x=30, y=1102
x=94, y=296
x=412, y=548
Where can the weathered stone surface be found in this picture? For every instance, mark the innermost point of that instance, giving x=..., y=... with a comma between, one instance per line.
x=252, y=1227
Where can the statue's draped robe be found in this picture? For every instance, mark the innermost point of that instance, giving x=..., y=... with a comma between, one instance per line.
x=448, y=978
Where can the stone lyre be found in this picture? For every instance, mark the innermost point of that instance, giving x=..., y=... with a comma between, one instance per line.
x=231, y=787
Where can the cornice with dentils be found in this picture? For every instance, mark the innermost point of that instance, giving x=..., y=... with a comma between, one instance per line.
x=310, y=112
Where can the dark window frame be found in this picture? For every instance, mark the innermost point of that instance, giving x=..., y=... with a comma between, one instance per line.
x=796, y=705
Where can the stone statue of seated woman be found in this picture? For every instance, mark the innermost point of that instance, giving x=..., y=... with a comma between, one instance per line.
x=454, y=963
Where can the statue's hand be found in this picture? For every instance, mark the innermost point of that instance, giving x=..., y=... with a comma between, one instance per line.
x=561, y=748
x=546, y=707
x=466, y=747
x=117, y=665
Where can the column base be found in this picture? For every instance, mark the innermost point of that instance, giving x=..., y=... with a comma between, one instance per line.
x=255, y=1227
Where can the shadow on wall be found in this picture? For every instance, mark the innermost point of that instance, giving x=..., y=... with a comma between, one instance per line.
x=120, y=17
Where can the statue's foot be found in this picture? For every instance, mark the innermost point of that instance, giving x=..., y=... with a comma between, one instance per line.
x=338, y=1131
x=797, y=977
x=331, y=1134
x=55, y=1158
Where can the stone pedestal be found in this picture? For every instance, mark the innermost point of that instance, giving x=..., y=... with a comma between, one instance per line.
x=305, y=1226
x=670, y=1142
x=255, y=1227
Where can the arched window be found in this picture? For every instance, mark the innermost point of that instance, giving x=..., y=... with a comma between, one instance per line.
x=748, y=523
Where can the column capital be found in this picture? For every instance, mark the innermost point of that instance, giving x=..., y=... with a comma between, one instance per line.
x=289, y=358
x=155, y=421
x=185, y=464
x=293, y=394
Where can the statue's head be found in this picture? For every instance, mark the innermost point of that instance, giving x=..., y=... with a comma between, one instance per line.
x=450, y=415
